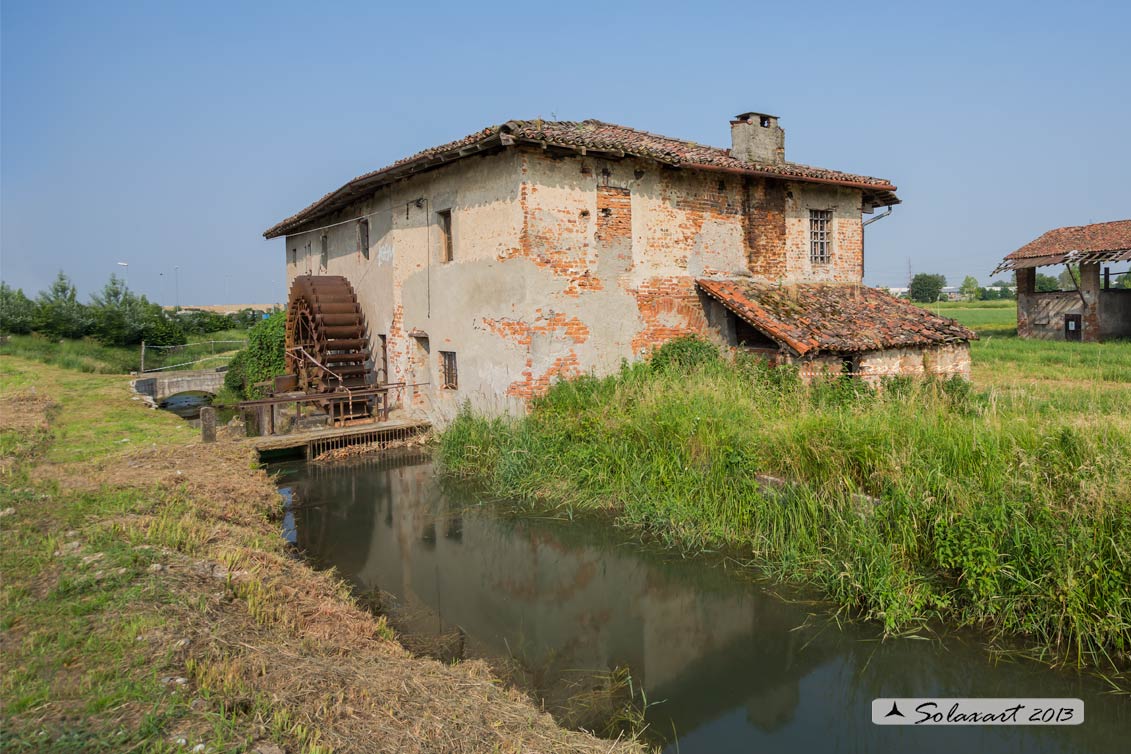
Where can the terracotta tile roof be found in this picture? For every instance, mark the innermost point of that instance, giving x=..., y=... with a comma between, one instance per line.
x=1098, y=242
x=587, y=136
x=812, y=318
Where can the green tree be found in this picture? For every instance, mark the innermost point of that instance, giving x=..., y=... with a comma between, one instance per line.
x=59, y=313
x=17, y=311
x=122, y=318
x=1046, y=283
x=926, y=288
x=1068, y=278
x=969, y=288
x=116, y=314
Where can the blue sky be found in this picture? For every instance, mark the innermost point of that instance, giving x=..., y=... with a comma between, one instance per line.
x=173, y=134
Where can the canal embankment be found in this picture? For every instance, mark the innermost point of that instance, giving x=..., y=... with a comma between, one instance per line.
x=151, y=603
x=1003, y=504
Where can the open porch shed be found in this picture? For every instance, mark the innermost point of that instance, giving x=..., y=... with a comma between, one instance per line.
x=1096, y=310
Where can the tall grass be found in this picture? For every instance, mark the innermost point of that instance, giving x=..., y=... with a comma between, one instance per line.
x=927, y=500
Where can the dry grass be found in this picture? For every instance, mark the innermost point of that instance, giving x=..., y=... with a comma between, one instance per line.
x=148, y=596
x=25, y=411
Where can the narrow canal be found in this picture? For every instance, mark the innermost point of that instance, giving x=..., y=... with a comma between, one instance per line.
x=725, y=666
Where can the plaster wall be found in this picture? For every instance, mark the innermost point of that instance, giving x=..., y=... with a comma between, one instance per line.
x=1115, y=313
x=951, y=360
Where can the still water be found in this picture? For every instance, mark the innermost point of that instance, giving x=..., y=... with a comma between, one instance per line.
x=187, y=405
x=726, y=666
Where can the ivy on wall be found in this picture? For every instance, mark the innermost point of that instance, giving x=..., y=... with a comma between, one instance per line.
x=262, y=360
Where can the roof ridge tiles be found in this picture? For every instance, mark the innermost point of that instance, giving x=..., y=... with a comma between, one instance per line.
x=593, y=133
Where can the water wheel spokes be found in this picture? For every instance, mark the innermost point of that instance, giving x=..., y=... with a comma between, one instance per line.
x=327, y=347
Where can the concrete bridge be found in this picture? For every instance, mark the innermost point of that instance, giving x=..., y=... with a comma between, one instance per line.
x=160, y=386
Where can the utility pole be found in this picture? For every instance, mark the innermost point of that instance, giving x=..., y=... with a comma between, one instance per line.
x=177, y=285
x=126, y=273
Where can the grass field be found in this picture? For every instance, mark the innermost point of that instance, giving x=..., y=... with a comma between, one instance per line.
x=1004, y=504
x=987, y=318
x=88, y=355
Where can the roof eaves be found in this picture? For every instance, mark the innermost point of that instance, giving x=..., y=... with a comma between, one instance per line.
x=417, y=164
x=757, y=317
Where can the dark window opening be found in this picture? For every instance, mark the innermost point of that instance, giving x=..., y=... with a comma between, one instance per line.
x=293, y=256
x=748, y=336
x=363, y=237
x=447, y=252
x=764, y=121
x=324, y=259
x=449, y=378
x=420, y=359
x=722, y=186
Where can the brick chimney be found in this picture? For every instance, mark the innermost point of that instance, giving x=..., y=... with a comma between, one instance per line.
x=757, y=137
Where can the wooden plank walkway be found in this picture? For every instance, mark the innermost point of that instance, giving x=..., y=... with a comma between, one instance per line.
x=316, y=441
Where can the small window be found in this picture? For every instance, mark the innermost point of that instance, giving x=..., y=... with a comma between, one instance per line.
x=363, y=236
x=449, y=379
x=324, y=260
x=292, y=256
x=820, y=235
x=444, y=218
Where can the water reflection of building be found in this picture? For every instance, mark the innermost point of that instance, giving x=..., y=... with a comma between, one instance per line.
x=557, y=599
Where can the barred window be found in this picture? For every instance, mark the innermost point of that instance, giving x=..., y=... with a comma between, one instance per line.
x=324, y=260
x=820, y=235
x=449, y=379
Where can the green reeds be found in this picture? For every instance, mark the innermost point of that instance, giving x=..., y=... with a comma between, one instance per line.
x=1005, y=509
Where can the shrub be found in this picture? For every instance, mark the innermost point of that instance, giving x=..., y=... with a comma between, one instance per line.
x=684, y=354
x=262, y=360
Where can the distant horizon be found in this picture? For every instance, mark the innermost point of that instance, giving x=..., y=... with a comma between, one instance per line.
x=172, y=136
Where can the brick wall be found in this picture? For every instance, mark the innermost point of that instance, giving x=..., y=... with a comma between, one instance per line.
x=669, y=307
x=765, y=229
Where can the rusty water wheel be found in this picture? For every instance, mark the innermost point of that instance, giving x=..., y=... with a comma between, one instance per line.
x=324, y=320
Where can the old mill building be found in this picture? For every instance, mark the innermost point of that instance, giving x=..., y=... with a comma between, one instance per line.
x=491, y=266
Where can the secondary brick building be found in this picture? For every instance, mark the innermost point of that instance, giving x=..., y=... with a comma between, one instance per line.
x=536, y=250
x=1093, y=311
